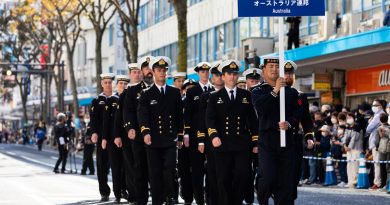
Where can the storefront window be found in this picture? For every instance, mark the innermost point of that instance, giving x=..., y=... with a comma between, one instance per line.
x=304, y=27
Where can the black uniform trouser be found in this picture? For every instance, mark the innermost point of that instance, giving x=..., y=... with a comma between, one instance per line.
x=232, y=177
x=116, y=159
x=141, y=178
x=102, y=168
x=298, y=145
x=184, y=169
x=211, y=175
x=88, y=159
x=62, y=155
x=250, y=193
x=197, y=161
x=293, y=39
x=128, y=167
x=275, y=165
x=161, y=162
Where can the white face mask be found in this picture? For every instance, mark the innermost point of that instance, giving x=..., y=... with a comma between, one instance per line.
x=350, y=121
x=334, y=120
x=388, y=111
x=340, y=132
x=341, y=123
x=375, y=109
x=324, y=134
x=86, y=121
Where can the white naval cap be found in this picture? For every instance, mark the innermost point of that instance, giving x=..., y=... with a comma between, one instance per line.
x=231, y=66
x=202, y=66
x=270, y=59
x=144, y=61
x=241, y=79
x=252, y=73
x=179, y=75
x=122, y=78
x=290, y=66
x=133, y=66
x=160, y=61
x=110, y=76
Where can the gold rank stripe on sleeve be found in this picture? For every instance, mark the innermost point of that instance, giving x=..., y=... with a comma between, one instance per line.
x=212, y=131
x=201, y=134
x=143, y=128
x=187, y=127
x=255, y=138
x=180, y=133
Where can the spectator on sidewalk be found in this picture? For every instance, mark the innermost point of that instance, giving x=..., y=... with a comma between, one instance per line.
x=335, y=123
x=337, y=150
x=353, y=146
x=40, y=135
x=323, y=150
x=386, y=20
x=377, y=109
x=62, y=137
x=384, y=148
x=89, y=147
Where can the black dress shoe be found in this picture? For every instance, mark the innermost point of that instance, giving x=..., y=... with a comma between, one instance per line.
x=92, y=173
x=124, y=195
x=117, y=201
x=83, y=173
x=104, y=198
x=56, y=171
x=171, y=201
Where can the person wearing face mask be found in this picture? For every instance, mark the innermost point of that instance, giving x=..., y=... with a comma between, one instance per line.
x=353, y=146
x=335, y=123
x=323, y=150
x=337, y=149
x=373, y=142
x=384, y=149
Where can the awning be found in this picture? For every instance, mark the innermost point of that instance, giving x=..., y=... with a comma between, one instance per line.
x=351, y=52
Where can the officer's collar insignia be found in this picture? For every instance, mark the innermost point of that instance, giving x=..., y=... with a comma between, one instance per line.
x=161, y=62
x=153, y=102
x=102, y=103
x=245, y=101
x=138, y=95
x=233, y=66
x=220, y=101
x=106, y=107
x=196, y=98
x=114, y=104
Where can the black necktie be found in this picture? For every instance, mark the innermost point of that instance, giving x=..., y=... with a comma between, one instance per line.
x=231, y=95
x=205, y=89
x=162, y=91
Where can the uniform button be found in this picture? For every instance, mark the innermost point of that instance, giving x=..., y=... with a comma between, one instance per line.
x=170, y=116
x=170, y=122
x=159, y=122
x=160, y=132
x=238, y=133
x=159, y=117
x=170, y=127
x=238, y=117
x=227, y=123
x=160, y=127
x=227, y=133
x=170, y=131
x=238, y=128
x=238, y=123
x=227, y=128
x=227, y=118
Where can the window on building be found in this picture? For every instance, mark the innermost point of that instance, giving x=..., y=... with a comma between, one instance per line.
x=244, y=28
x=82, y=53
x=210, y=45
x=220, y=40
x=191, y=51
x=229, y=36
x=204, y=46
x=192, y=2
x=143, y=17
x=264, y=26
x=163, y=10
x=111, y=69
x=255, y=27
x=111, y=34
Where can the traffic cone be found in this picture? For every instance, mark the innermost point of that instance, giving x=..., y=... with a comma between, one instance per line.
x=330, y=176
x=388, y=186
x=363, y=181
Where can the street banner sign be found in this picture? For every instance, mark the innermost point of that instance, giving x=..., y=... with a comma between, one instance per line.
x=256, y=8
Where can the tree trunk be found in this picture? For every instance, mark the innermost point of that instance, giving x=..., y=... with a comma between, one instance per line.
x=181, y=13
x=98, y=61
x=75, y=100
x=23, y=96
x=134, y=42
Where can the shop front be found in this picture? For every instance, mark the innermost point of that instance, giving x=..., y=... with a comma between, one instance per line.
x=368, y=84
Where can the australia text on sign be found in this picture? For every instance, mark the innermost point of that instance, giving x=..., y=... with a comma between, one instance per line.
x=249, y=8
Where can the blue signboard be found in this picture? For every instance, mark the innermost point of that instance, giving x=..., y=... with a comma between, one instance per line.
x=252, y=8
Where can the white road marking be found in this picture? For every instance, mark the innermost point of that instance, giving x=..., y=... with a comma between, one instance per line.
x=11, y=153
